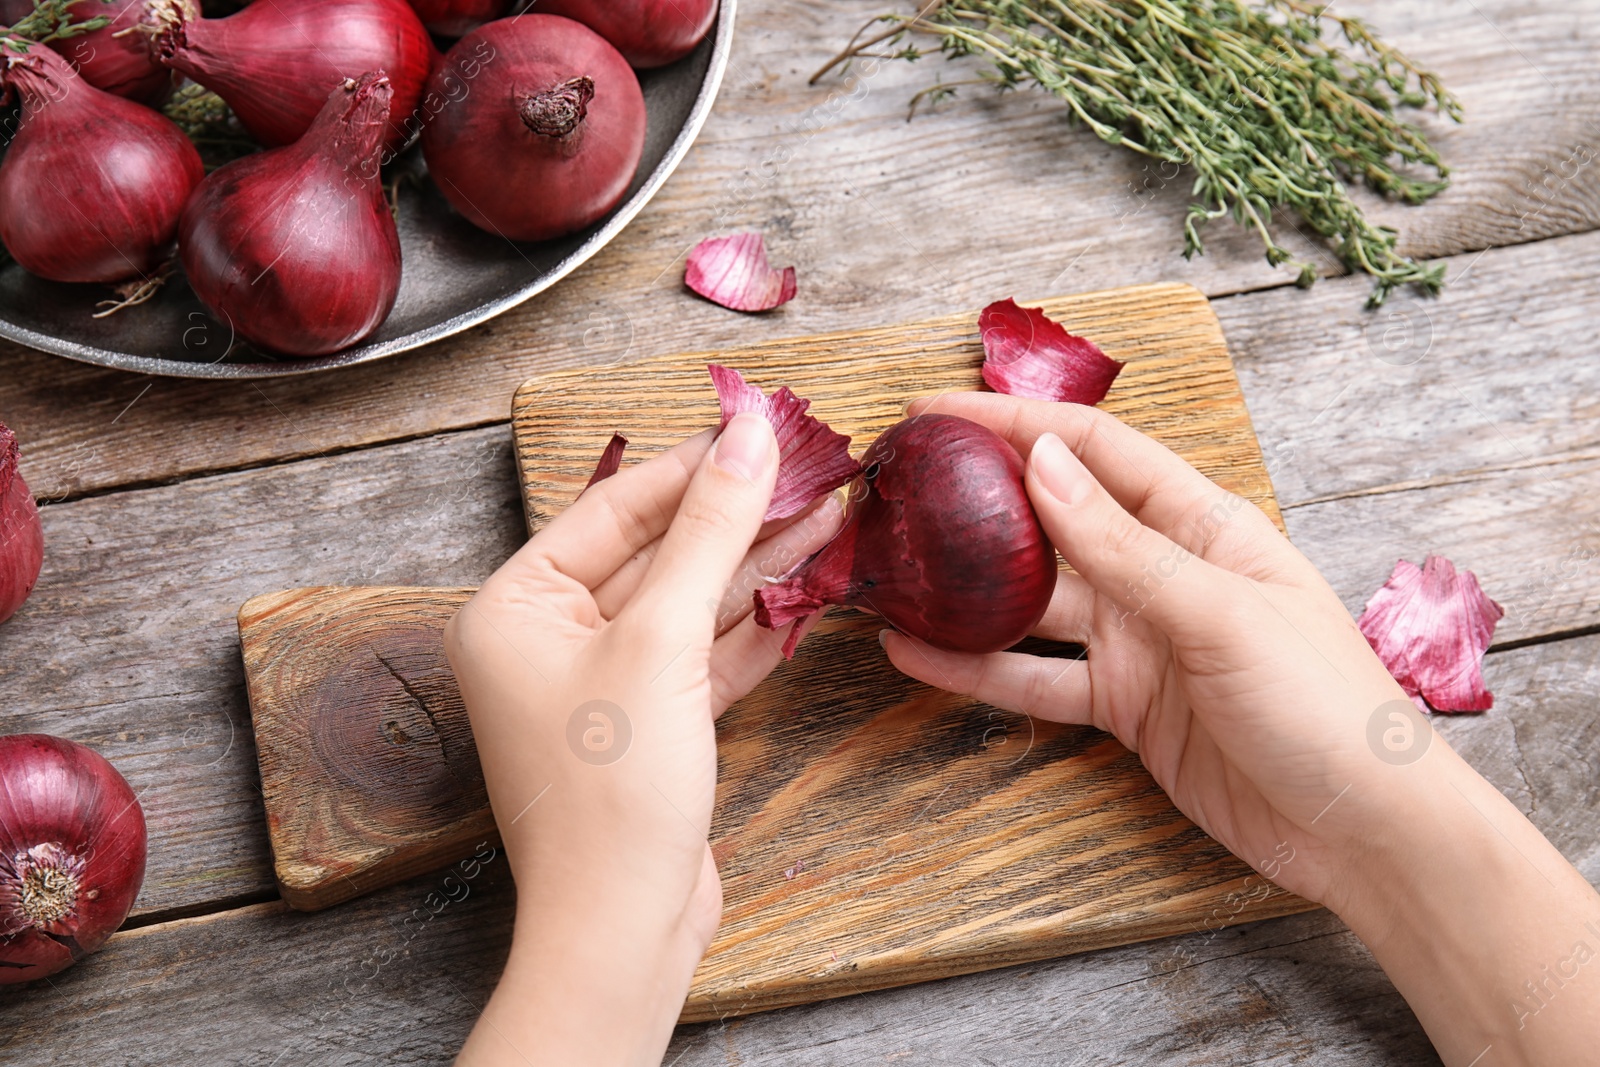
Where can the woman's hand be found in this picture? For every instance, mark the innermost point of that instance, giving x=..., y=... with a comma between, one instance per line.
x=1218, y=654
x=1214, y=649
x=593, y=665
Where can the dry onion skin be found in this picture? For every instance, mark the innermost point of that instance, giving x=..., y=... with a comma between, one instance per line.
x=1028, y=354
x=733, y=272
x=812, y=458
x=1431, y=626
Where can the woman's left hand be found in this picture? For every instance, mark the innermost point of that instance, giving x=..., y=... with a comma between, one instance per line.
x=592, y=666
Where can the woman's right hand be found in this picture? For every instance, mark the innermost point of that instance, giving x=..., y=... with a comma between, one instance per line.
x=1214, y=648
x=1219, y=655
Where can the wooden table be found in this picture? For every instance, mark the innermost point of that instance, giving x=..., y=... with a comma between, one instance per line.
x=1465, y=425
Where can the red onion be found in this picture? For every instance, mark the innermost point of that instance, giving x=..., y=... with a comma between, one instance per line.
x=452, y=18
x=21, y=536
x=650, y=33
x=295, y=247
x=72, y=851
x=539, y=130
x=940, y=540
x=276, y=63
x=92, y=186
x=122, y=57
x=12, y=11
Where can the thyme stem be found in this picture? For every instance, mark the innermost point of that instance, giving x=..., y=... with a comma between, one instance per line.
x=1266, y=111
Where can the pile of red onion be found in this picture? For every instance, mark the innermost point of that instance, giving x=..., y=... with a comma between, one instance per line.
x=532, y=128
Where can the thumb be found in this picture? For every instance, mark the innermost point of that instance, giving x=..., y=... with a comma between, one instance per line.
x=716, y=524
x=1142, y=571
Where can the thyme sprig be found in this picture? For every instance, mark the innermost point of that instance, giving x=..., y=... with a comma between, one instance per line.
x=1266, y=111
x=209, y=123
x=50, y=20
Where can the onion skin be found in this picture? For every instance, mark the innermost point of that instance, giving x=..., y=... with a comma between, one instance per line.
x=92, y=186
x=536, y=127
x=649, y=33
x=21, y=535
x=72, y=854
x=122, y=57
x=940, y=539
x=259, y=61
x=295, y=248
x=453, y=18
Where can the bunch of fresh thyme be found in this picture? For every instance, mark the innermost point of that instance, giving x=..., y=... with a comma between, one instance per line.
x=50, y=20
x=1266, y=111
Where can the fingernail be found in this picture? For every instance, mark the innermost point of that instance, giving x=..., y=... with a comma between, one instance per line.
x=745, y=447
x=1059, y=471
x=883, y=639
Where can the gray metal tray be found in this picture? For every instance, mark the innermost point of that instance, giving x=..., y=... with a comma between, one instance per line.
x=454, y=276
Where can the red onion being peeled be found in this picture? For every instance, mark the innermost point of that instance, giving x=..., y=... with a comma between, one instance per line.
x=122, y=57
x=940, y=540
x=452, y=18
x=276, y=63
x=541, y=138
x=72, y=852
x=650, y=33
x=21, y=536
x=92, y=186
x=295, y=247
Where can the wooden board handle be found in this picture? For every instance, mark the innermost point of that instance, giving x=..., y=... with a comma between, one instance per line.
x=367, y=760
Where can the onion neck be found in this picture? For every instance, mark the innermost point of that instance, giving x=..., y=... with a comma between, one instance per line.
x=40, y=76
x=10, y=456
x=160, y=18
x=351, y=128
x=183, y=40
x=559, y=111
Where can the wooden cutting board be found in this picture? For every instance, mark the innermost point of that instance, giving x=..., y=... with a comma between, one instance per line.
x=870, y=831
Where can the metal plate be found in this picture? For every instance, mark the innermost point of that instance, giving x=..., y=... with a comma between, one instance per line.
x=454, y=275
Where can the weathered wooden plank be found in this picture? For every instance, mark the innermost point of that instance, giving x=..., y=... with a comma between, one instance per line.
x=887, y=221
x=1530, y=534
x=376, y=981
x=130, y=643
x=1501, y=371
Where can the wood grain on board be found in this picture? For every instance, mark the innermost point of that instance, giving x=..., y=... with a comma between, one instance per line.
x=870, y=831
x=886, y=220
x=368, y=770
